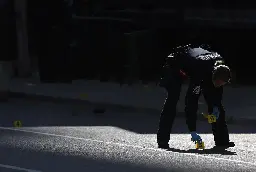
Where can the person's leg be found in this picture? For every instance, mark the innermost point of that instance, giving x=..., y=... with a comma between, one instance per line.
x=213, y=97
x=168, y=113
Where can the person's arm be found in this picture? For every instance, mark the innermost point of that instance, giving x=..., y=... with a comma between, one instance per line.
x=191, y=107
x=191, y=102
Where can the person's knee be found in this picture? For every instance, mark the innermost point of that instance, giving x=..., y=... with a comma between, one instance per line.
x=173, y=95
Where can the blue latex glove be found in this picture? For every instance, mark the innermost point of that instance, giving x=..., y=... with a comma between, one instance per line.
x=216, y=112
x=195, y=137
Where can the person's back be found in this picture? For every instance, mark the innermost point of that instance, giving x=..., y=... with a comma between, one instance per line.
x=194, y=60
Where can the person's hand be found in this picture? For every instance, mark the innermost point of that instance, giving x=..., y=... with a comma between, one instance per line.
x=195, y=137
x=216, y=112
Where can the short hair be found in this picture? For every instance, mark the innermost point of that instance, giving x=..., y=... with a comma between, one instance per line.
x=221, y=72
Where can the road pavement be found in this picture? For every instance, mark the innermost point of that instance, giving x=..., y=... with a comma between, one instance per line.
x=57, y=137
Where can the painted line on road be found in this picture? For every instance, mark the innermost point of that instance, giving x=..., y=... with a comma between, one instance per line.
x=122, y=144
x=17, y=168
x=247, y=149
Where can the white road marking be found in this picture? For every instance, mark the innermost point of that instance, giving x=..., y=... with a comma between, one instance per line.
x=121, y=144
x=17, y=168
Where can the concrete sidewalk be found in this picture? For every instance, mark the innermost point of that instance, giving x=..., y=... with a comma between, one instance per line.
x=239, y=102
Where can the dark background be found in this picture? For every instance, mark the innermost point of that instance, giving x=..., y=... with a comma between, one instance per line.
x=7, y=31
x=127, y=41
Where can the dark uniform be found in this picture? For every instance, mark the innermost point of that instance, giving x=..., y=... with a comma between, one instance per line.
x=197, y=63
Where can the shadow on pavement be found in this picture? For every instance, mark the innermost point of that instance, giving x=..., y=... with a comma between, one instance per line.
x=213, y=150
x=66, y=162
x=37, y=113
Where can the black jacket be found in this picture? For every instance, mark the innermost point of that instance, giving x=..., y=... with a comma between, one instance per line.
x=197, y=62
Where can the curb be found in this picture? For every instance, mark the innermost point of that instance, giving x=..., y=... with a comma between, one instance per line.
x=119, y=107
x=76, y=101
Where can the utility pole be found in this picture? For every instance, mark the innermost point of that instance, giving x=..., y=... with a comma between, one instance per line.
x=23, y=62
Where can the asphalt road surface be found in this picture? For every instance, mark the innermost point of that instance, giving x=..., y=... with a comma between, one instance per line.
x=65, y=138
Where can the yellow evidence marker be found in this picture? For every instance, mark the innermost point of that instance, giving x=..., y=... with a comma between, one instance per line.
x=200, y=145
x=17, y=124
x=211, y=118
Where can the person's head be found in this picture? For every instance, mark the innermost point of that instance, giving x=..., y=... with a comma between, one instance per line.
x=221, y=74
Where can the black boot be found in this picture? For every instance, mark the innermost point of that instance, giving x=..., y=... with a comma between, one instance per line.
x=163, y=145
x=225, y=145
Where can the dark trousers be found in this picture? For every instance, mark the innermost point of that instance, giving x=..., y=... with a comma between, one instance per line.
x=213, y=97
